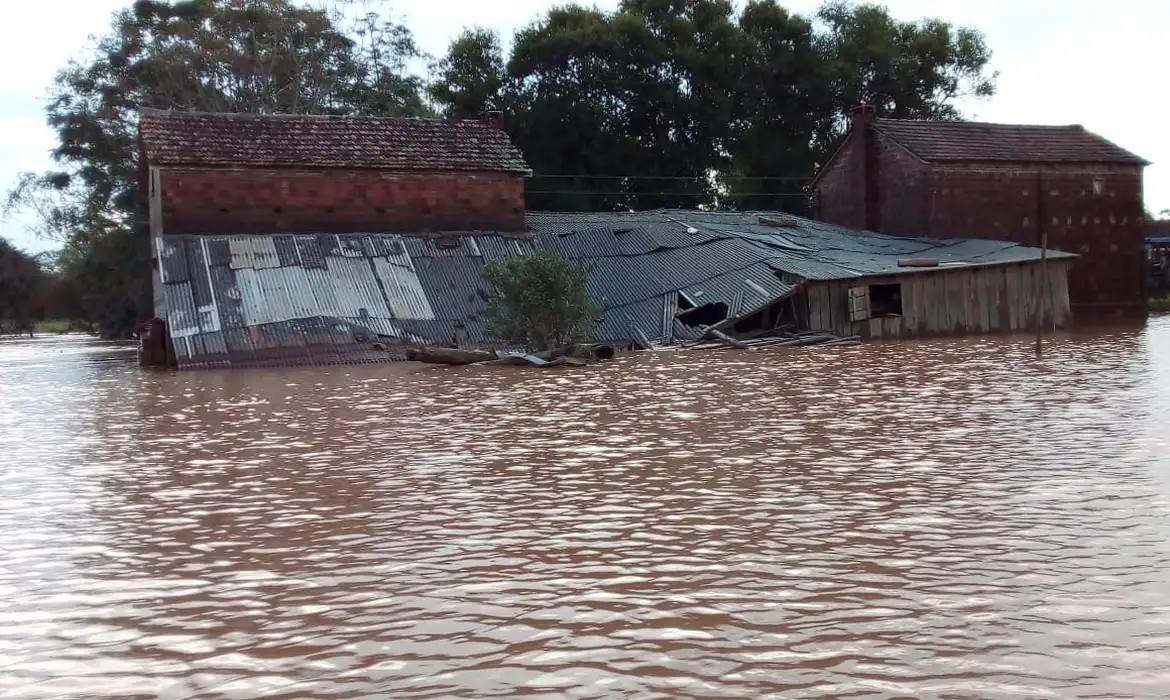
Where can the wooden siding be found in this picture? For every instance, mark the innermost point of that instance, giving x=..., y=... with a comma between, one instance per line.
x=999, y=299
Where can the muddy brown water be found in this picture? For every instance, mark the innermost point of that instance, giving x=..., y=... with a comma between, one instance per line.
x=940, y=519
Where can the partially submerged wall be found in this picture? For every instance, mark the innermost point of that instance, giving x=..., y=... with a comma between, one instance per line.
x=994, y=299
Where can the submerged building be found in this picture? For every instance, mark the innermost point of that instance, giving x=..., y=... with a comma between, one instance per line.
x=1008, y=182
x=325, y=240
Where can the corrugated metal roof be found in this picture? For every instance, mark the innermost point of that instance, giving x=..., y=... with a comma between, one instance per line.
x=326, y=299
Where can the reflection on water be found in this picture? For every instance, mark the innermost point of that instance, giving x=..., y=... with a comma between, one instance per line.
x=942, y=519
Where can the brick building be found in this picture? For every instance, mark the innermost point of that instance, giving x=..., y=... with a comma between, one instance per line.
x=997, y=181
x=247, y=173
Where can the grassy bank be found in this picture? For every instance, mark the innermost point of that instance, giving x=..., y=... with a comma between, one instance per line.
x=47, y=327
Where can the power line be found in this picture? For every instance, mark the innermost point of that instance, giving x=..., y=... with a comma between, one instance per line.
x=639, y=193
x=676, y=177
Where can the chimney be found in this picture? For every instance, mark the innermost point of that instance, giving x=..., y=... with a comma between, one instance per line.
x=861, y=120
x=494, y=118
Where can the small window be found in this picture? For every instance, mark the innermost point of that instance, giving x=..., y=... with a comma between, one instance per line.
x=1098, y=186
x=885, y=300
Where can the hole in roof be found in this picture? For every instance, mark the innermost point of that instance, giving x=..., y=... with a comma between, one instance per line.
x=705, y=315
x=620, y=231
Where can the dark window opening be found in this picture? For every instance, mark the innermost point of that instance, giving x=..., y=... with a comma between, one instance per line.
x=885, y=300
x=328, y=210
x=277, y=210
x=705, y=315
x=428, y=210
x=224, y=210
x=380, y=210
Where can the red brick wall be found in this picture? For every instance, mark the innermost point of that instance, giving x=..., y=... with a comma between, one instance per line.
x=840, y=191
x=899, y=196
x=902, y=192
x=333, y=201
x=1000, y=202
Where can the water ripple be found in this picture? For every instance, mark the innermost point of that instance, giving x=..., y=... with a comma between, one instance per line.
x=936, y=519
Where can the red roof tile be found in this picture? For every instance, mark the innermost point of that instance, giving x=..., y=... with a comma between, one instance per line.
x=937, y=141
x=251, y=140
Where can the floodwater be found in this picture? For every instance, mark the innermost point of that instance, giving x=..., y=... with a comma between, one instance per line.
x=949, y=519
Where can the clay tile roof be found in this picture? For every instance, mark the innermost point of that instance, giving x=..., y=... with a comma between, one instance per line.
x=252, y=140
x=937, y=141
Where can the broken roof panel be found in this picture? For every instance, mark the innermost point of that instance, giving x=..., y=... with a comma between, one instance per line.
x=204, y=139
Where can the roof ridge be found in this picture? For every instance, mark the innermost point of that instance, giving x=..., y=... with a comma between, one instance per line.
x=973, y=122
x=266, y=116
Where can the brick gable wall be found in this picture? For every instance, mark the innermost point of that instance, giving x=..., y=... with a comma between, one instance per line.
x=841, y=192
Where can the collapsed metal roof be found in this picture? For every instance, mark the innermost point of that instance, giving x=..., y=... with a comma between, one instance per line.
x=327, y=299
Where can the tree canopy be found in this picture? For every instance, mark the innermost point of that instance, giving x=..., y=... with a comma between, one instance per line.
x=265, y=56
x=695, y=103
x=679, y=103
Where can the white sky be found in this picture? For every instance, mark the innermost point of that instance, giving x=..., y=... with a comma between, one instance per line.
x=1060, y=62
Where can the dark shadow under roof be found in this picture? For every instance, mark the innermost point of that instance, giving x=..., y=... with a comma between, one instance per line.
x=204, y=139
x=942, y=141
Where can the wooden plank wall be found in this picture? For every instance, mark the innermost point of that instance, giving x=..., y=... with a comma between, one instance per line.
x=1000, y=299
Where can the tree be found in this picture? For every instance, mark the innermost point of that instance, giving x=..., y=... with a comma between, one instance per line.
x=23, y=285
x=272, y=56
x=690, y=103
x=539, y=301
x=471, y=77
x=906, y=70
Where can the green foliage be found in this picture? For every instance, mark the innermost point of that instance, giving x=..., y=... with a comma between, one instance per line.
x=266, y=56
x=703, y=104
x=660, y=103
x=539, y=301
x=31, y=290
x=471, y=76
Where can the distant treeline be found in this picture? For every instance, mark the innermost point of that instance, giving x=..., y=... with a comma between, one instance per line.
x=679, y=103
